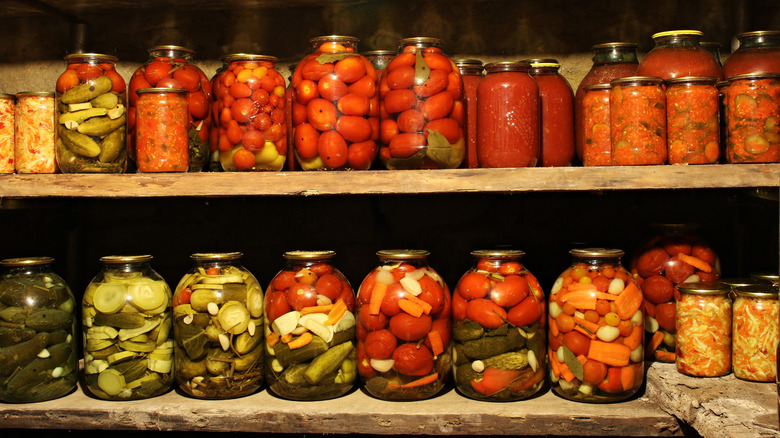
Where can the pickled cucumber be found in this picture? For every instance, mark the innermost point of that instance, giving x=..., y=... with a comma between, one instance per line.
x=14, y=335
x=120, y=320
x=327, y=362
x=514, y=360
x=79, y=144
x=58, y=355
x=467, y=332
x=17, y=355
x=246, y=361
x=112, y=145
x=14, y=315
x=50, y=320
x=101, y=126
x=288, y=357
x=492, y=346
x=88, y=90
x=147, y=295
x=80, y=116
x=245, y=342
x=105, y=101
x=111, y=381
x=233, y=317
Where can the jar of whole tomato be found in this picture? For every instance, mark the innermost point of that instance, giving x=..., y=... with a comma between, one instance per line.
x=290, y=161
x=758, y=52
x=161, y=142
x=38, y=359
x=756, y=318
x=335, y=106
x=596, y=327
x=250, y=106
x=703, y=329
x=7, y=105
x=610, y=61
x=692, y=120
x=218, y=321
x=752, y=106
x=171, y=67
x=422, y=108
x=91, y=98
x=672, y=256
x=310, y=329
x=126, y=317
x=499, y=328
x=213, y=160
x=471, y=72
x=379, y=59
x=557, y=105
x=597, y=142
x=508, y=116
x=403, y=331
x=34, y=133
x=678, y=53
x=637, y=113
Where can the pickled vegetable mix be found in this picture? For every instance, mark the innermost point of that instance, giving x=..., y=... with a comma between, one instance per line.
x=161, y=143
x=692, y=118
x=704, y=330
x=637, y=111
x=7, y=105
x=596, y=137
x=34, y=133
x=755, y=333
x=752, y=112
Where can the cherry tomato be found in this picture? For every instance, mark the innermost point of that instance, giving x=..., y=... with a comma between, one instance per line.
x=527, y=312
x=363, y=364
x=576, y=342
x=371, y=322
x=302, y=295
x=651, y=262
x=473, y=285
x=183, y=297
x=198, y=105
x=488, y=265
x=658, y=289
x=666, y=315
x=602, y=283
x=509, y=292
x=283, y=280
x=395, y=292
x=243, y=159
x=305, y=91
x=413, y=360
x=487, y=313
x=678, y=271
x=594, y=372
x=332, y=148
x=410, y=328
x=234, y=132
x=362, y=154
x=380, y=344
x=67, y=80
x=276, y=305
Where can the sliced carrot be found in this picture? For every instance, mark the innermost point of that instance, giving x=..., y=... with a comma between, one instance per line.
x=664, y=356
x=629, y=301
x=410, y=307
x=582, y=358
x=695, y=262
x=430, y=378
x=584, y=331
x=335, y=314
x=300, y=341
x=627, y=377
x=556, y=366
x=566, y=373
x=577, y=287
x=610, y=353
x=605, y=296
x=272, y=339
x=585, y=300
x=425, y=306
x=590, y=326
x=554, y=327
x=377, y=295
x=437, y=346
x=317, y=309
x=286, y=338
x=635, y=338
x=655, y=341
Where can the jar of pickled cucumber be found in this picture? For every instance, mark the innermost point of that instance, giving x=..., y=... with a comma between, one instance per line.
x=596, y=328
x=126, y=319
x=499, y=328
x=218, y=322
x=38, y=359
x=403, y=310
x=310, y=329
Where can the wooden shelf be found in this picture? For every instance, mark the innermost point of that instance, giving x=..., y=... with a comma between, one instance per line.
x=229, y=184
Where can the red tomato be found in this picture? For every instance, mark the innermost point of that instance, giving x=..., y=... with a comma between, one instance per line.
x=88, y=72
x=136, y=83
x=380, y=344
x=67, y=80
x=395, y=292
x=321, y=114
x=487, y=313
x=243, y=159
x=331, y=88
x=118, y=82
x=594, y=372
x=651, y=262
x=666, y=315
x=350, y=69
x=305, y=91
x=458, y=306
x=188, y=77
x=432, y=293
x=508, y=268
x=602, y=283
x=388, y=129
x=365, y=288
x=198, y=105
x=437, y=61
x=613, y=383
x=509, y=292
x=302, y=295
x=704, y=253
x=488, y=265
x=473, y=285
x=527, y=312
x=494, y=380
x=365, y=86
x=678, y=271
x=371, y=322
x=313, y=70
x=239, y=90
x=330, y=286
x=413, y=360
x=410, y=328
x=354, y=129
x=576, y=342
x=437, y=106
x=362, y=154
x=363, y=364
x=182, y=297
x=276, y=305
x=437, y=81
x=399, y=100
x=401, y=77
x=332, y=148
x=306, y=141
x=347, y=295
x=400, y=60
x=675, y=245
x=658, y=289
x=411, y=120
x=253, y=140
x=155, y=71
x=354, y=104
x=243, y=110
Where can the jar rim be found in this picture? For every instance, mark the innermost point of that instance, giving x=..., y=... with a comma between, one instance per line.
x=307, y=255
x=757, y=33
x=498, y=253
x=96, y=56
x=677, y=33
x=7, y=96
x=340, y=38
x=710, y=80
x=35, y=93
x=542, y=62
x=704, y=288
x=437, y=42
x=116, y=259
x=765, y=276
x=752, y=76
x=507, y=66
x=597, y=87
x=171, y=47
x=467, y=62
x=27, y=261
x=734, y=282
x=649, y=80
x=249, y=57
x=378, y=52
x=160, y=90
x=758, y=290
x=208, y=256
x=403, y=253
x=597, y=252
x=615, y=44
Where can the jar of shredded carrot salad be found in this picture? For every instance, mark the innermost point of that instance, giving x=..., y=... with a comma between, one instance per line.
x=7, y=104
x=34, y=133
x=704, y=329
x=755, y=332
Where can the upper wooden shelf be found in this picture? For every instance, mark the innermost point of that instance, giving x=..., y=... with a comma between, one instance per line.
x=229, y=184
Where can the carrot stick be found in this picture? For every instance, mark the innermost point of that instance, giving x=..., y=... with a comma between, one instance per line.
x=553, y=327
x=437, y=346
x=590, y=326
x=410, y=307
x=430, y=378
x=566, y=373
x=317, y=309
x=335, y=314
x=286, y=338
x=666, y=356
x=581, y=300
x=629, y=301
x=695, y=262
x=627, y=377
x=585, y=331
x=634, y=339
x=300, y=341
x=655, y=341
x=610, y=353
x=605, y=296
x=272, y=339
x=556, y=366
x=582, y=358
x=425, y=306
x=377, y=295
x=585, y=287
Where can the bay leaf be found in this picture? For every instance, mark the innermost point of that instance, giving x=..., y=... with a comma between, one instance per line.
x=439, y=149
x=326, y=58
x=573, y=363
x=421, y=69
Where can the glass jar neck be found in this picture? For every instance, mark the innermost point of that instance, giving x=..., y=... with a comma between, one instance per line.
x=677, y=40
x=417, y=44
x=416, y=258
x=615, y=55
x=176, y=54
x=334, y=44
x=28, y=269
x=759, y=41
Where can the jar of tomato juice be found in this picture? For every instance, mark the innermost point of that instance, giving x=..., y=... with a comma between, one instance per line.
x=557, y=120
x=471, y=72
x=758, y=52
x=678, y=53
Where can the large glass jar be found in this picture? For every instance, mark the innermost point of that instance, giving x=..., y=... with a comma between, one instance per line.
x=596, y=327
x=758, y=52
x=250, y=107
x=637, y=114
x=692, y=120
x=7, y=105
x=38, y=359
x=335, y=106
x=91, y=99
x=557, y=106
x=379, y=59
x=596, y=135
x=672, y=256
x=508, y=116
x=499, y=329
x=161, y=142
x=752, y=109
x=403, y=334
x=34, y=133
x=678, y=53
x=703, y=329
x=310, y=329
x=756, y=318
x=126, y=318
x=171, y=67
x=423, y=108
x=218, y=327
x=471, y=72
x=610, y=61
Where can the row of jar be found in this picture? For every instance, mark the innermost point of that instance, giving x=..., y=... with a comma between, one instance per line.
x=220, y=337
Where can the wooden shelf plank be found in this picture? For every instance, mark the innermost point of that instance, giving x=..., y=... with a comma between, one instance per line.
x=228, y=184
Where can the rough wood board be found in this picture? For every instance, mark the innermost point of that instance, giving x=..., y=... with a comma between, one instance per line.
x=723, y=407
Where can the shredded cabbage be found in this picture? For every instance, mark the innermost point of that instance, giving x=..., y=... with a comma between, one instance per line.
x=34, y=135
x=6, y=136
x=755, y=335
x=704, y=335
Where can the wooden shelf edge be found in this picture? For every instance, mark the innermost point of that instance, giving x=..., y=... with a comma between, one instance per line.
x=383, y=182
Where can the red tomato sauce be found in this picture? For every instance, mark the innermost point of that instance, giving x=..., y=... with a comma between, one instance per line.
x=557, y=123
x=638, y=121
x=162, y=143
x=758, y=52
x=471, y=71
x=692, y=121
x=677, y=54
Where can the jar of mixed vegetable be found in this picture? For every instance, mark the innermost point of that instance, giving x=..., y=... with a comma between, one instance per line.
x=7, y=105
x=596, y=137
x=752, y=109
x=499, y=328
x=679, y=53
x=310, y=329
x=403, y=334
x=596, y=329
x=758, y=52
x=218, y=323
x=161, y=143
x=755, y=321
x=703, y=329
x=557, y=105
x=471, y=72
x=38, y=359
x=637, y=112
x=126, y=318
x=34, y=133
x=693, y=120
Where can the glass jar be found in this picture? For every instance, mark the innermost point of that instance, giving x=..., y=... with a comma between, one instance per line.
x=34, y=133
x=674, y=255
x=596, y=328
x=289, y=163
x=752, y=108
x=403, y=335
x=508, y=116
x=310, y=329
x=471, y=72
x=379, y=59
x=91, y=99
x=557, y=106
x=38, y=359
x=7, y=106
x=755, y=334
x=423, y=108
x=214, y=164
x=596, y=136
x=714, y=49
x=678, y=53
x=171, y=66
x=218, y=322
x=250, y=107
x=335, y=106
x=637, y=113
x=161, y=142
x=766, y=277
x=499, y=329
x=126, y=317
x=703, y=329
x=692, y=120
x=758, y=52
x=610, y=61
